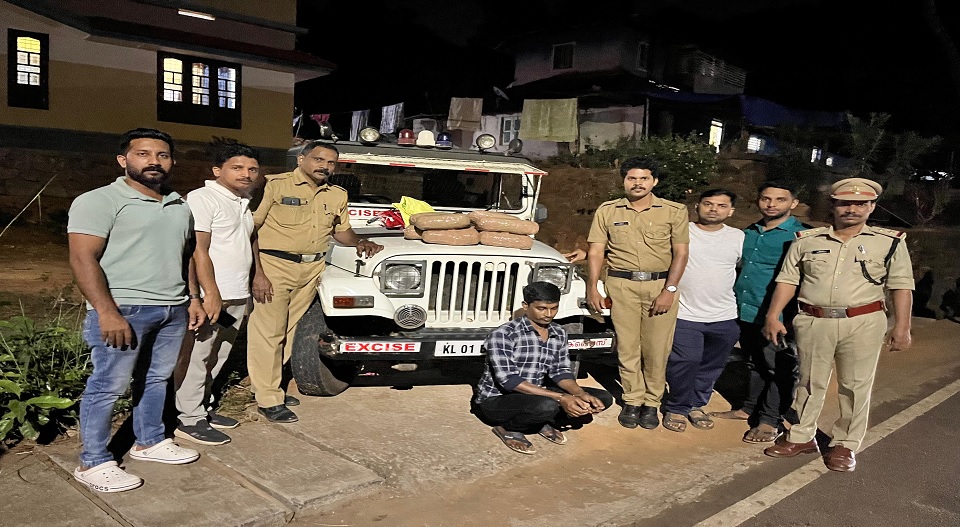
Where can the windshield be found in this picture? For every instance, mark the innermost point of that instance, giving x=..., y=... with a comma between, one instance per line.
x=383, y=184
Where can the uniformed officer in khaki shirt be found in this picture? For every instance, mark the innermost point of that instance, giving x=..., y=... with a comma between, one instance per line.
x=644, y=241
x=842, y=272
x=293, y=224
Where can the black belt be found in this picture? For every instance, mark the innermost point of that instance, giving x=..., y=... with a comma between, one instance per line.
x=294, y=257
x=638, y=276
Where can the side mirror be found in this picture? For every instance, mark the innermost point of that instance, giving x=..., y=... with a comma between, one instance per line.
x=540, y=213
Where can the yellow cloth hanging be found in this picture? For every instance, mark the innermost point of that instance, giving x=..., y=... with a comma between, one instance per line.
x=409, y=206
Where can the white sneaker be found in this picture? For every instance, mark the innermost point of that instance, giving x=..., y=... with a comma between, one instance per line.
x=166, y=452
x=107, y=477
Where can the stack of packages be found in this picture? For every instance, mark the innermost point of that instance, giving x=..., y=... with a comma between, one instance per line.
x=487, y=228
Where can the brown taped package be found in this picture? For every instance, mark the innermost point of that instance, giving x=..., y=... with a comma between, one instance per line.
x=477, y=214
x=505, y=239
x=510, y=225
x=439, y=220
x=468, y=236
x=412, y=233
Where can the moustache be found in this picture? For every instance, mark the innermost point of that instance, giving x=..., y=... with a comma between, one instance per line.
x=154, y=168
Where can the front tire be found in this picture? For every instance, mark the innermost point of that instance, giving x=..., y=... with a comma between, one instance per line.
x=315, y=374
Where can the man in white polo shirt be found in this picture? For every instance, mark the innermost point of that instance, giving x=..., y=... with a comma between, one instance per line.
x=707, y=320
x=223, y=258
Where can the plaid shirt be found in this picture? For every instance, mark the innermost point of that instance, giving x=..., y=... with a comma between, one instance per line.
x=515, y=354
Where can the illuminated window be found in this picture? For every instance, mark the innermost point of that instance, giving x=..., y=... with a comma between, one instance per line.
x=754, y=144
x=27, y=61
x=198, y=91
x=563, y=56
x=815, y=155
x=829, y=161
x=716, y=134
x=509, y=128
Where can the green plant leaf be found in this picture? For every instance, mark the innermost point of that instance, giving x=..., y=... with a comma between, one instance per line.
x=17, y=409
x=6, y=425
x=8, y=386
x=28, y=431
x=51, y=401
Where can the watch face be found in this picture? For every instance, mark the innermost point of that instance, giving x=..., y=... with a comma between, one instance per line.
x=672, y=288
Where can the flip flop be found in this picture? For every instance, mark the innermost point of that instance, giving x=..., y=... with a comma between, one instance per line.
x=729, y=414
x=755, y=435
x=674, y=422
x=506, y=437
x=699, y=419
x=552, y=434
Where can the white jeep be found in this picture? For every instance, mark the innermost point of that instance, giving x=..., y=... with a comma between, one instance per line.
x=416, y=312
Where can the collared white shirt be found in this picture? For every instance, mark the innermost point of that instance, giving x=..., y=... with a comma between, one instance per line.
x=228, y=220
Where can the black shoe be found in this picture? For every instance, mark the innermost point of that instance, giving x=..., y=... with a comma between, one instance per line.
x=221, y=421
x=289, y=400
x=649, y=418
x=278, y=414
x=201, y=433
x=629, y=416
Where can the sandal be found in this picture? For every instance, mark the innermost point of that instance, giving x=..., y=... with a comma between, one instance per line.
x=674, y=422
x=514, y=440
x=729, y=414
x=552, y=434
x=699, y=419
x=768, y=434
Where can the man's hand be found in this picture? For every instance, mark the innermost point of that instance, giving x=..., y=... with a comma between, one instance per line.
x=574, y=406
x=212, y=304
x=899, y=339
x=576, y=256
x=595, y=300
x=196, y=315
x=262, y=288
x=662, y=303
x=115, y=330
x=596, y=405
x=772, y=330
x=367, y=248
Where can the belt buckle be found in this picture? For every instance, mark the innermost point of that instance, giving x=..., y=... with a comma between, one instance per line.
x=834, y=312
x=308, y=258
x=640, y=276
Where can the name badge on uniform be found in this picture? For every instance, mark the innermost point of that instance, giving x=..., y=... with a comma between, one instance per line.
x=290, y=201
x=821, y=251
x=620, y=223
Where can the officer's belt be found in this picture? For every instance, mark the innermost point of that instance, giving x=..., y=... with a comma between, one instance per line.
x=294, y=257
x=841, y=312
x=638, y=276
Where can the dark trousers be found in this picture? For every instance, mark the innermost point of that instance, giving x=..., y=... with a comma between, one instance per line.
x=700, y=352
x=773, y=375
x=527, y=413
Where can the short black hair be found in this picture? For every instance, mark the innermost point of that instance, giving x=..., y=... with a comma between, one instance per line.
x=643, y=163
x=144, y=133
x=307, y=148
x=719, y=192
x=780, y=184
x=224, y=150
x=541, y=291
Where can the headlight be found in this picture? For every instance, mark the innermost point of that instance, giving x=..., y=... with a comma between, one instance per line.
x=402, y=279
x=558, y=274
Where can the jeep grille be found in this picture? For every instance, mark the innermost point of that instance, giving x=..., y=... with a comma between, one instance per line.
x=478, y=292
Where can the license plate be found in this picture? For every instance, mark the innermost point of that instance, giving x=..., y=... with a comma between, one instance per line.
x=582, y=344
x=379, y=347
x=458, y=348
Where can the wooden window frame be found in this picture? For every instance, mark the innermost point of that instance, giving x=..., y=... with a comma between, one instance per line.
x=553, y=56
x=186, y=111
x=25, y=95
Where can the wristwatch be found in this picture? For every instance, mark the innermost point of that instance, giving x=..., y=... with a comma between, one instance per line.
x=671, y=288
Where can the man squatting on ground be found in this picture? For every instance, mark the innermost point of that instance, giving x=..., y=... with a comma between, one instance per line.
x=773, y=367
x=521, y=355
x=128, y=242
x=842, y=271
x=223, y=226
x=293, y=224
x=707, y=319
x=643, y=240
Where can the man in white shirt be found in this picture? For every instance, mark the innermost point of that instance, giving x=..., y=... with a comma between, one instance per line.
x=707, y=320
x=223, y=259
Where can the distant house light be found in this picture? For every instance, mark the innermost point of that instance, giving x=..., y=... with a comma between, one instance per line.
x=195, y=14
x=815, y=155
x=754, y=144
x=829, y=161
x=716, y=134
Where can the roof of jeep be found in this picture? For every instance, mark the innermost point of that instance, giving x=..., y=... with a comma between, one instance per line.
x=353, y=149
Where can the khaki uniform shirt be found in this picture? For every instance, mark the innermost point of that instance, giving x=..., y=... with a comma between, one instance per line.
x=297, y=216
x=640, y=240
x=833, y=273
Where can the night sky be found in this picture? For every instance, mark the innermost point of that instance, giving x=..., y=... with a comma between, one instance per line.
x=839, y=55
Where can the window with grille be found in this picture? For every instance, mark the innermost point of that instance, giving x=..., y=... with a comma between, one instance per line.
x=509, y=128
x=27, y=69
x=198, y=91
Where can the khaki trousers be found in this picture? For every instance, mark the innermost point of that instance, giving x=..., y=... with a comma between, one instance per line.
x=854, y=345
x=643, y=342
x=271, y=326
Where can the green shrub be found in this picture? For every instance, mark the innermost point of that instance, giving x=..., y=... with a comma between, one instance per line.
x=43, y=370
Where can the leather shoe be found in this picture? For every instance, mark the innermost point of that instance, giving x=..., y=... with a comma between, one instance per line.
x=629, y=416
x=788, y=449
x=841, y=459
x=649, y=417
x=278, y=414
x=289, y=400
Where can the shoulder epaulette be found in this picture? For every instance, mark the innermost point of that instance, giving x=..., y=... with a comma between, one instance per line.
x=611, y=202
x=673, y=204
x=810, y=232
x=889, y=232
x=271, y=177
x=338, y=187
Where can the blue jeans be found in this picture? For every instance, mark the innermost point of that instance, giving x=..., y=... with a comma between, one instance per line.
x=158, y=334
x=700, y=352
